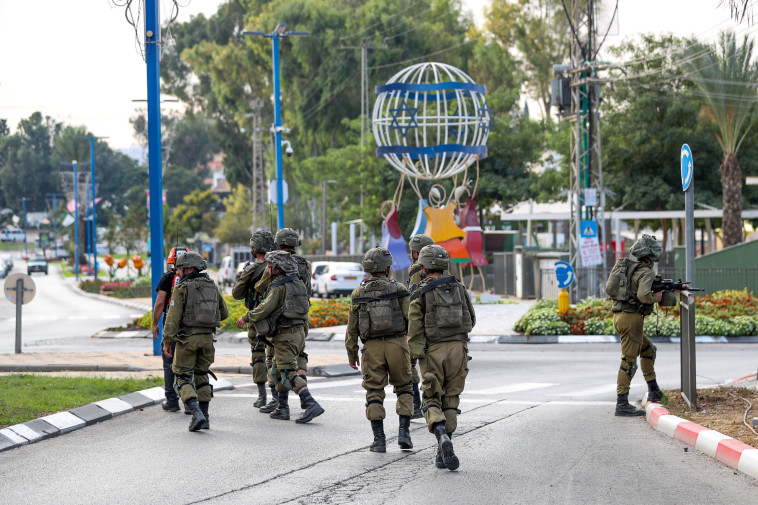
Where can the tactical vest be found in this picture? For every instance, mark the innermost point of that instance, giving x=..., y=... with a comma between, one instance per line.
x=252, y=297
x=379, y=311
x=620, y=290
x=294, y=311
x=201, y=312
x=303, y=272
x=446, y=316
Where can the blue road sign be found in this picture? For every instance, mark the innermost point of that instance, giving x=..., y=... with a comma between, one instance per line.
x=588, y=229
x=564, y=273
x=687, y=166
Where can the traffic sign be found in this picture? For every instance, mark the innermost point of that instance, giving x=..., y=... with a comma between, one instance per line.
x=588, y=229
x=564, y=273
x=272, y=199
x=686, y=166
x=27, y=286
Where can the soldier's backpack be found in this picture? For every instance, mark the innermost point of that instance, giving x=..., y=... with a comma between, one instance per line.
x=445, y=311
x=619, y=281
x=201, y=309
x=379, y=312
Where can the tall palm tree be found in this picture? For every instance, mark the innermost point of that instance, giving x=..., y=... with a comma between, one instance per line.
x=726, y=78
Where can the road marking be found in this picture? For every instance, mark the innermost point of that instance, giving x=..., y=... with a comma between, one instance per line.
x=513, y=388
x=111, y=316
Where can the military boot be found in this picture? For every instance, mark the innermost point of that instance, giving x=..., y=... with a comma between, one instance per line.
x=187, y=410
x=416, y=403
x=403, y=434
x=624, y=409
x=438, y=462
x=204, y=409
x=169, y=406
x=261, y=401
x=654, y=393
x=198, y=418
x=273, y=404
x=380, y=442
x=312, y=408
x=445, y=446
x=282, y=411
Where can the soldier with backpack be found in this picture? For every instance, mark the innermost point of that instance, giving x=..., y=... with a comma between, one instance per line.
x=244, y=289
x=280, y=321
x=379, y=318
x=196, y=310
x=630, y=285
x=440, y=317
x=416, y=243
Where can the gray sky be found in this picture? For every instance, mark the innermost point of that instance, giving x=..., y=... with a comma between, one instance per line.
x=76, y=60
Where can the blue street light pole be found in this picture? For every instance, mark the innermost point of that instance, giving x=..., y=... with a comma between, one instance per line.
x=155, y=162
x=279, y=32
x=93, y=224
x=76, y=218
x=90, y=200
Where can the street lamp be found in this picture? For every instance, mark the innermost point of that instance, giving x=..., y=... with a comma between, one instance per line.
x=76, y=214
x=279, y=32
x=323, y=218
x=93, y=224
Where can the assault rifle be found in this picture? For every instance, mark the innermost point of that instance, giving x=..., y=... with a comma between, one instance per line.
x=668, y=285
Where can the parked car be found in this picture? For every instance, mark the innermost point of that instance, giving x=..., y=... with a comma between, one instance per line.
x=226, y=272
x=7, y=260
x=36, y=264
x=317, y=268
x=340, y=279
x=3, y=270
x=12, y=235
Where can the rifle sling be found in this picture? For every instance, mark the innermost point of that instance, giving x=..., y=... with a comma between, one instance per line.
x=447, y=279
x=386, y=296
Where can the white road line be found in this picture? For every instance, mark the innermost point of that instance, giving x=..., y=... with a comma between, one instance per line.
x=513, y=388
x=596, y=391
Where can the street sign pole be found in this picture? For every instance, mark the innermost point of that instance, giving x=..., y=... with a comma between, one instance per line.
x=19, y=289
x=687, y=299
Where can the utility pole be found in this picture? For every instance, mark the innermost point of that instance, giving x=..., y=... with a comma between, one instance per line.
x=26, y=247
x=256, y=172
x=364, y=47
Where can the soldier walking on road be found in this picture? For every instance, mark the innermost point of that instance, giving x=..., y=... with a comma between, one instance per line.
x=416, y=243
x=260, y=243
x=287, y=239
x=379, y=317
x=197, y=309
x=280, y=319
x=163, y=298
x=630, y=286
x=440, y=317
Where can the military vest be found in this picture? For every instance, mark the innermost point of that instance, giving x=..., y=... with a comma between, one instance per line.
x=303, y=272
x=294, y=311
x=252, y=297
x=446, y=316
x=201, y=312
x=379, y=311
x=620, y=289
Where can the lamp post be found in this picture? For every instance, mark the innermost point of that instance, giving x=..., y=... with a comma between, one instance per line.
x=93, y=224
x=323, y=218
x=76, y=214
x=279, y=32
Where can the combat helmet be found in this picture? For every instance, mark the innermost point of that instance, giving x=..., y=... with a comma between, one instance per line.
x=262, y=241
x=287, y=237
x=283, y=260
x=647, y=247
x=377, y=259
x=191, y=259
x=418, y=242
x=434, y=257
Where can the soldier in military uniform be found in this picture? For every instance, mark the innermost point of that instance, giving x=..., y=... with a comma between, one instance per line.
x=416, y=243
x=287, y=239
x=196, y=310
x=280, y=319
x=440, y=318
x=628, y=317
x=244, y=289
x=379, y=317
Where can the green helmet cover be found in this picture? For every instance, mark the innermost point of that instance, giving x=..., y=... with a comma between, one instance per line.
x=283, y=260
x=647, y=247
x=434, y=257
x=191, y=259
x=418, y=242
x=377, y=259
x=262, y=241
x=287, y=237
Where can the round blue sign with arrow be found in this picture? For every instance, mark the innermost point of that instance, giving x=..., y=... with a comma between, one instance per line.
x=687, y=166
x=564, y=273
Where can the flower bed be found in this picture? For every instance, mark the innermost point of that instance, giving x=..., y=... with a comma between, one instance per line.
x=721, y=314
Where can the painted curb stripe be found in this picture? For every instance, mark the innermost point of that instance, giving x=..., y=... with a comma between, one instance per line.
x=749, y=462
x=115, y=406
x=655, y=413
x=24, y=431
x=13, y=436
x=156, y=394
x=687, y=432
x=64, y=421
x=708, y=441
x=729, y=451
x=667, y=424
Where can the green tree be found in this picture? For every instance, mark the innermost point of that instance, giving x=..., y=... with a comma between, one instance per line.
x=725, y=74
x=234, y=227
x=194, y=215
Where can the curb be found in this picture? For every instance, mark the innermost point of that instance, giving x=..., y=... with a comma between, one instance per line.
x=60, y=423
x=727, y=450
x=117, y=301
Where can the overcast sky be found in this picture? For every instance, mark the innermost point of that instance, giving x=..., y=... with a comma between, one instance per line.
x=76, y=60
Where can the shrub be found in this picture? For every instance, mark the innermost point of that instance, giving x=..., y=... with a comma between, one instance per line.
x=532, y=315
x=661, y=326
x=594, y=326
x=745, y=325
x=329, y=313
x=547, y=327
x=91, y=286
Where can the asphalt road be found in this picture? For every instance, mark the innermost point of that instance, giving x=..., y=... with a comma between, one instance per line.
x=537, y=427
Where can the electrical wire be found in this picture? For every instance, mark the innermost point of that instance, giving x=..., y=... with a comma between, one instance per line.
x=435, y=53
x=749, y=407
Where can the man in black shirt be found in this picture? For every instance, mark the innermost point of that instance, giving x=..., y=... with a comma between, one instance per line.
x=165, y=286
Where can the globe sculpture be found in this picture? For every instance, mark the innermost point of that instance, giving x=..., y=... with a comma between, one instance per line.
x=431, y=121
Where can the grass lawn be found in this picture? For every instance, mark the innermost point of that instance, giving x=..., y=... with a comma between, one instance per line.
x=27, y=396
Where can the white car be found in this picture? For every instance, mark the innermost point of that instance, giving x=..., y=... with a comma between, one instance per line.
x=226, y=272
x=340, y=279
x=317, y=268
